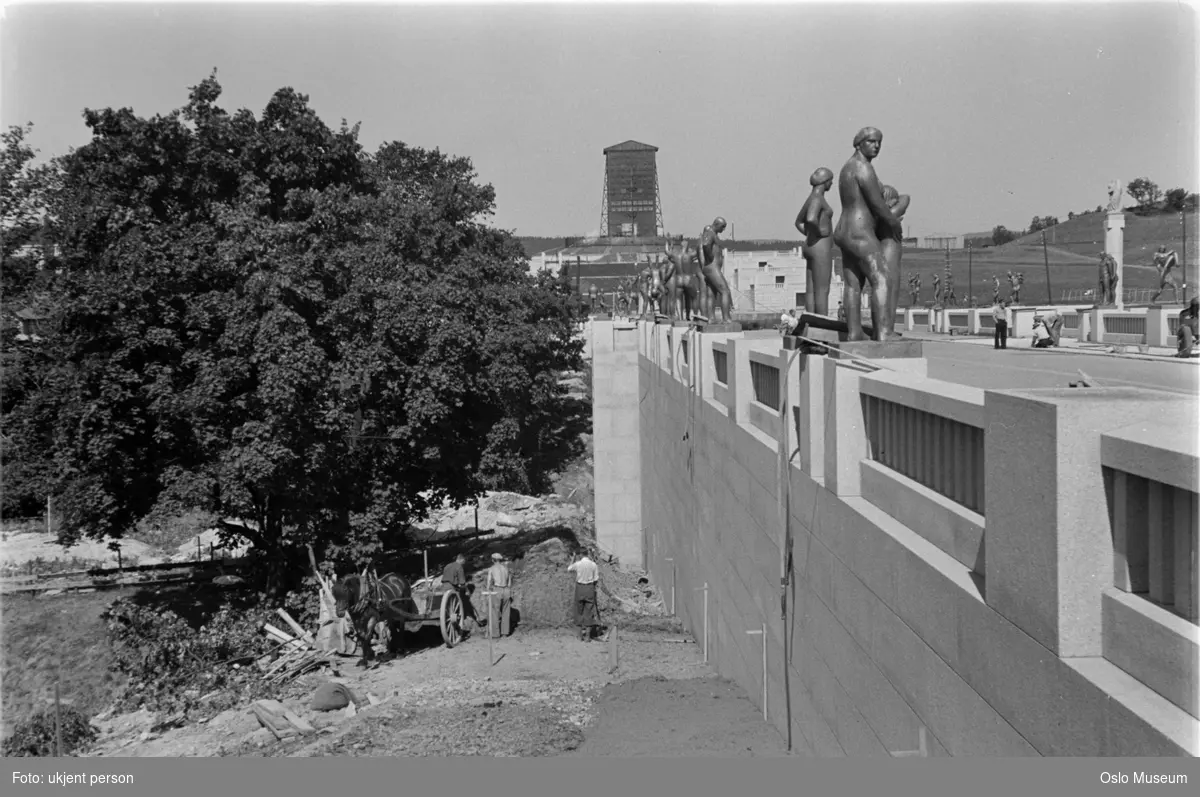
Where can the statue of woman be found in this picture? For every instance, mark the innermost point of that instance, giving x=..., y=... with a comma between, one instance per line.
x=815, y=223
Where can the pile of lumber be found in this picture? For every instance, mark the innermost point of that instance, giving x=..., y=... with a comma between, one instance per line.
x=280, y=720
x=300, y=653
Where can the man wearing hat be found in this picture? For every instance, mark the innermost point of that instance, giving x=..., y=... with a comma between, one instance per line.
x=499, y=582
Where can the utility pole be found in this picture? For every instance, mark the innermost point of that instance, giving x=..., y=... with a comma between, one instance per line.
x=1183, y=226
x=970, y=278
x=1046, y=259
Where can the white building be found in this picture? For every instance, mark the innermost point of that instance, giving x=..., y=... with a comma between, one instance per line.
x=772, y=280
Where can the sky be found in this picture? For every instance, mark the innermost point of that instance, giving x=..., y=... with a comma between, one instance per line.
x=991, y=113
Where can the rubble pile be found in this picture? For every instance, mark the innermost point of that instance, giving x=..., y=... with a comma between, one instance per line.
x=503, y=514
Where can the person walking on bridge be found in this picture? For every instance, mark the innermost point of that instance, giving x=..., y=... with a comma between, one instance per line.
x=499, y=582
x=587, y=576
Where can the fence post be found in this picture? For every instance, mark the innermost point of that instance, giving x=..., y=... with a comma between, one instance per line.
x=763, y=632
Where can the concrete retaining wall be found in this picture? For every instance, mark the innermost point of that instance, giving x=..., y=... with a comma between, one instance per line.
x=987, y=629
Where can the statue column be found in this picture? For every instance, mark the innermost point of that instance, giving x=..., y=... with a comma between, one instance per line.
x=1114, y=244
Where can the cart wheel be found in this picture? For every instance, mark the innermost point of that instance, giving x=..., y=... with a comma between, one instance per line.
x=451, y=618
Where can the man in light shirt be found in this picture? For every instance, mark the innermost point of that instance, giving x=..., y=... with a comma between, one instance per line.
x=499, y=581
x=1001, y=317
x=587, y=575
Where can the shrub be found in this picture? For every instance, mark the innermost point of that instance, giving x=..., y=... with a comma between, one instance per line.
x=171, y=665
x=35, y=736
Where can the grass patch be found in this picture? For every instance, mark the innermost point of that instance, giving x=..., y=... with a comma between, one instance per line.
x=39, y=633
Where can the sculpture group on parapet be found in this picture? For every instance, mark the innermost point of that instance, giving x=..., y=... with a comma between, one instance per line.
x=692, y=279
x=1165, y=263
x=1015, y=281
x=914, y=289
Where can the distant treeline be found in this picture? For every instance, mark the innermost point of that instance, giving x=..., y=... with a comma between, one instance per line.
x=534, y=244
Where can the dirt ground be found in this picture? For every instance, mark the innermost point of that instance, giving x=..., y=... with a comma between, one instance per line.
x=548, y=694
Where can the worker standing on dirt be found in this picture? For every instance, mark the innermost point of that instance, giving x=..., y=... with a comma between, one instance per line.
x=499, y=581
x=587, y=575
x=455, y=575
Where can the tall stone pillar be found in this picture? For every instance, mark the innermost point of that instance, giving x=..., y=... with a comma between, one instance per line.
x=616, y=439
x=1114, y=244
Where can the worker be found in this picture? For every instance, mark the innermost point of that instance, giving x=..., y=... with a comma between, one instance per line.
x=455, y=575
x=1186, y=336
x=499, y=584
x=587, y=577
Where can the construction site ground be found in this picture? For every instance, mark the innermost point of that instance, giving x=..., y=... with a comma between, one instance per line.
x=548, y=693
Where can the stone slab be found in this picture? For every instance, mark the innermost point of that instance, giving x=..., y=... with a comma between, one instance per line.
x=794, y=343
x=879, y=350
x=731, y=326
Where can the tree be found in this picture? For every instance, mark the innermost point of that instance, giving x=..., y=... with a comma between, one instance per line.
x=1002, y=235
x=260, y=320
x=1071, y=214
x=1144, y=191
x=1176, y=198
x=1036, y=224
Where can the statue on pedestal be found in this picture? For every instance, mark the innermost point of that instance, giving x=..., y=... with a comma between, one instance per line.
x=937, y=290
x=1107, y=295
x=914, y=289
x=995, y=289
x=951, y=297
x=1165, y=263
x=864, y=213
x=684, y=283
x=1114, y=196
x=712, y=260
x=892, y=246
x=815, y=223
x=1016, y=292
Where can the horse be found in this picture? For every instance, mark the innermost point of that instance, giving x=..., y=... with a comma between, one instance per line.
x=371, y=600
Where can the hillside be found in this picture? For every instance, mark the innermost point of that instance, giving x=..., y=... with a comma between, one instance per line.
x=1083, y=237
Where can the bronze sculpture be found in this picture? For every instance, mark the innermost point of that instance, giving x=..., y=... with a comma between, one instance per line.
x=891, y=246
x=1165, y=263
x=712, y=260
x=1107, y=294
x=864, y=213
x=950, y=298
x=995, y=289
x=914, y=288
x=1016, y=291
x=815, y=223
x=937, y=290
x=684, y=283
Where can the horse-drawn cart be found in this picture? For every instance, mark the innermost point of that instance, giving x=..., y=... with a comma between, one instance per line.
x=438, y=604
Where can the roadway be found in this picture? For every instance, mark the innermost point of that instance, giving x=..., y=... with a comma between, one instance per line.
x=985, y=367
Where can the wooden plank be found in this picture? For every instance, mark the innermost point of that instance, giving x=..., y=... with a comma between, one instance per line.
x=300, y=632
x=276, y=723
x=297, y=721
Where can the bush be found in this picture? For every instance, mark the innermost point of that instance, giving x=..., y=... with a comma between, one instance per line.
x=171, y=665
x=35, y=736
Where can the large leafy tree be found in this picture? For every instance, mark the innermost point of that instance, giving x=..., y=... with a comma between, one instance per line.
x=261, y=320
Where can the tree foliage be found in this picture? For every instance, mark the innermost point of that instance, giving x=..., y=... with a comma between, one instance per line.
x=1002, y=235
x=1144, y=191
x=259, y=319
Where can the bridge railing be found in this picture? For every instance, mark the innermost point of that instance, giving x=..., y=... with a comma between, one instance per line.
x=1085, y=510
x=932, y=434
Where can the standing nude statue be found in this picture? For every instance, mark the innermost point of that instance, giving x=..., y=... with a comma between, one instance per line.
x=891, y=246
x=815, y=223
x=937, y=290
x=684, y=284
x=951, y=298
x=712, y=260
x=915, y=286
x=1165, y=263
x=1107, y=295
x=995, y=289
x=864, y=213
x=1016, y=291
